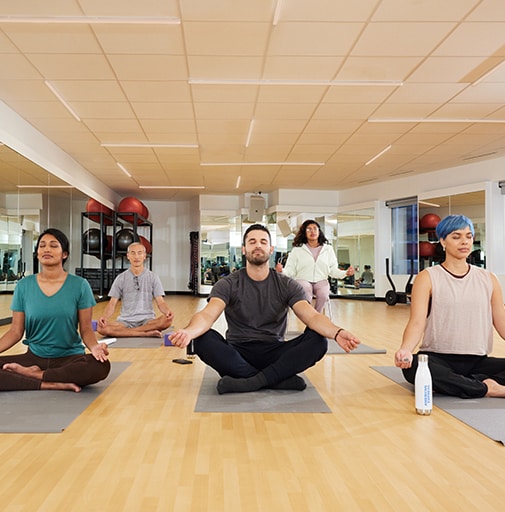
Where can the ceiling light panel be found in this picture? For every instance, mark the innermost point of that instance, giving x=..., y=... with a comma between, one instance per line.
x=89, y=20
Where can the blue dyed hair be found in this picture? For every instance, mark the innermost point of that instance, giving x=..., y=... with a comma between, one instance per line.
x=452, y=223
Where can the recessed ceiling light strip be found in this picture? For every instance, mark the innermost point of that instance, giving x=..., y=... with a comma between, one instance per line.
x=249, y=133
x=93, y=20
x=161, y=187
x=379, y=154
x=123, y=168
x=425, y=203
x=277, y=12
x=266, y=81
x=432, y=120
x=245, y=164
x=44, y=186
x=145, y=145
x=62, y=100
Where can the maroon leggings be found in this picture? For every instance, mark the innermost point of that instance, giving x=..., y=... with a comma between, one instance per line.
x=82, y=369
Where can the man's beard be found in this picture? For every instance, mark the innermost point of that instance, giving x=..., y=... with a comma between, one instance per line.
x=257, y=259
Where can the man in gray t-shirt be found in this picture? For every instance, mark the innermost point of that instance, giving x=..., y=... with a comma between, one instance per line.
x=255, y=301
x=136, y=288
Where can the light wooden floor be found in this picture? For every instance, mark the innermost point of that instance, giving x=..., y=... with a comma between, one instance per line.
x=140, y=446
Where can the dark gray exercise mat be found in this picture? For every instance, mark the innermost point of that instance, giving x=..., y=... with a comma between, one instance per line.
x=265, y=400
x=486, y=415
x=40, y=412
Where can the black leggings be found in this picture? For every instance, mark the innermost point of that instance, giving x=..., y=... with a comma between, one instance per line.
x=79, y=369
x=277, y=360
x=460, y=375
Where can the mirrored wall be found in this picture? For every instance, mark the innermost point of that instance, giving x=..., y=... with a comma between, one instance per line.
x=220, y=247
x=355, y=233
x=31, y=199
x=351, y=235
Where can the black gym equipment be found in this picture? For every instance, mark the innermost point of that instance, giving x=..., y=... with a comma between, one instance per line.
x=392, y=296
x=93, y=240
x=124, y=238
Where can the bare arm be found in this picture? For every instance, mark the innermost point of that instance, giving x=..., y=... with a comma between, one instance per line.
x=200, y=323
x=497, y=307
x=421, y=293
x=163, y=307
x=15, y=332
x=322, y=325
x=99, y=350
x=108, y=311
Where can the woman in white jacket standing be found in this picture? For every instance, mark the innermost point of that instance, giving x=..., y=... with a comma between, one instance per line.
x=311, y=261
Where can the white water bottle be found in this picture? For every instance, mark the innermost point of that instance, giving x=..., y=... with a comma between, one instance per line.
x=423, y=387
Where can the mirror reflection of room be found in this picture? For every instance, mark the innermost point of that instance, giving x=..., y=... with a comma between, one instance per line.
x=220, y=247
x=351, y=234
x=356, y=246
x=432, y=210
x=31, y=199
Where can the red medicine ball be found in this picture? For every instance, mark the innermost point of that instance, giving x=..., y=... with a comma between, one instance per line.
x=93, y=206
x=429, y=222
x=132, y=205
x=426, y=249
x=145, y=242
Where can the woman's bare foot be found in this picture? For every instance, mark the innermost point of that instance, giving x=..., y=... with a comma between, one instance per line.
x=28, y=371
x=36, y=373
x=62, y=386
x=494, y=389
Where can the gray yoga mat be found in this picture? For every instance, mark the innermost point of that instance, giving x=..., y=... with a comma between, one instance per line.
x=333, y=348
x=265, y=400
x=486, y=415
x=137, y=343
x=38, y=412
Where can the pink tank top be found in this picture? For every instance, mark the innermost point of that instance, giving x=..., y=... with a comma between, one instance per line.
x=460, y=320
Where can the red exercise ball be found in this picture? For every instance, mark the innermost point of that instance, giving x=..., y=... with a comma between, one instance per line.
x=145, y=242
x=429, y=221
x=93, y=206
x=132, y=205
x=426, y=249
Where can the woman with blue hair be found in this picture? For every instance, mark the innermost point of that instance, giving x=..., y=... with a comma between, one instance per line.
x=454, y=307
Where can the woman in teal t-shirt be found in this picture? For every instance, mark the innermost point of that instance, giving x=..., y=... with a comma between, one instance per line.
x=49, y=308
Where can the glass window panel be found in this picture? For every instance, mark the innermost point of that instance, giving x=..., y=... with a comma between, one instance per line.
x=404, y=236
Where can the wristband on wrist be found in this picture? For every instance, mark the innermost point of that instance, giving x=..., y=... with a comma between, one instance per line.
x=338, y=332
